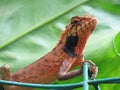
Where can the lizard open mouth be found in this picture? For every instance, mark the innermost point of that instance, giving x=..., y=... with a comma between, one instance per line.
x=80, y=27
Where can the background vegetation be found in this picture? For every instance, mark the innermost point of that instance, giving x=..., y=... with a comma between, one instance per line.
x=30, y=28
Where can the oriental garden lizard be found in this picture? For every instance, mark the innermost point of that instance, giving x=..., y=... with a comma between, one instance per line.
x=67, y=54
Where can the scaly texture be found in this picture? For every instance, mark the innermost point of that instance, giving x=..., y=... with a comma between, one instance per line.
x=67, y=54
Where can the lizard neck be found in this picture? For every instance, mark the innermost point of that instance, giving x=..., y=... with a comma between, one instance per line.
x=83, y=37
x=74, y=45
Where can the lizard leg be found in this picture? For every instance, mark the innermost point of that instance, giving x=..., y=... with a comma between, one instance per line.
x=93, y=69
x=64, y=72
x=5, y=72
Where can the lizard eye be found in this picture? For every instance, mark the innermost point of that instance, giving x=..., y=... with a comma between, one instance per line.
x=75, y=22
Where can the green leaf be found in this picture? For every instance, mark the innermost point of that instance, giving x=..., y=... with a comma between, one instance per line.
x=117, y=43
x=110, y=5
x=34, y=14
x=29, y=29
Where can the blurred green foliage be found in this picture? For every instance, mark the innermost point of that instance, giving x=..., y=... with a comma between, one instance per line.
x=30, y=28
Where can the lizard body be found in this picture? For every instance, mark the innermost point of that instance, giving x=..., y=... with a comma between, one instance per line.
x=67, y=54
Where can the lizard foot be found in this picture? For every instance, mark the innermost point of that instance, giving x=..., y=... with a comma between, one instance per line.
x=4, y=68
x=93, y=69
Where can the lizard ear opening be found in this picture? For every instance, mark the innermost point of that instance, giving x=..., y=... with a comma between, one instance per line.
x=70, y=45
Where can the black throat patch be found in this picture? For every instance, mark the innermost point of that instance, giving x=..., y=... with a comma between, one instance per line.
x=70, y=45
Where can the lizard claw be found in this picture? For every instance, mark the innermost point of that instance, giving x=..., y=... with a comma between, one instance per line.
x=93, y=69
x=94, y=74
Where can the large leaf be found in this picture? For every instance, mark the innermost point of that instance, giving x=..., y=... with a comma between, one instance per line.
x=30, y=28
x=26, y=25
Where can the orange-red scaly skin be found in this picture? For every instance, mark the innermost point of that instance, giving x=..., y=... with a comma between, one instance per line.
x=45, y=69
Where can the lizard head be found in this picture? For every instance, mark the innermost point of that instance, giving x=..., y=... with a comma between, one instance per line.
x=77, y=33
